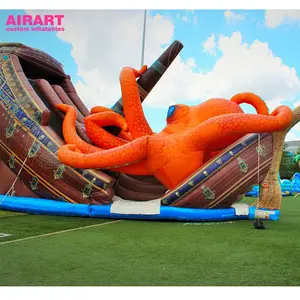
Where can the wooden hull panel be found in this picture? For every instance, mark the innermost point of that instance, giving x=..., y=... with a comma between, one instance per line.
x=220, y=182
x=19, y=189
x=21, y=132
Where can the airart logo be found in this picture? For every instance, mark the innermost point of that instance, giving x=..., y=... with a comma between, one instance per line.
x=38, y=23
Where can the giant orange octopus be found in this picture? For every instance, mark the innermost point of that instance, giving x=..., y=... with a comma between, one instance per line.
x=193, y=134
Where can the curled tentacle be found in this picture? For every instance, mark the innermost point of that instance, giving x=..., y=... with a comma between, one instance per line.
x=252, y=99
x=124, y=134
x=69, y=130
x=98, y=109
x=98, y=135
x=108, y=118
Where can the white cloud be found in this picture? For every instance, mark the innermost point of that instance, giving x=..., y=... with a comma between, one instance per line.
x=253, y=68
x=291, y=137
x=195, y=20
x=274, y=102
x=191, y=62
x=105, y=41
x=185, y=18
x=294, y=133
x=241, y=68
x=274, y=18
x=188, y=18
x=209, y=45
x=231, y=16
x=296, y=104
x=296, y=128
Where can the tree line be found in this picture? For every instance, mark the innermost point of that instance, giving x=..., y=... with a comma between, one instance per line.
x=288, y=166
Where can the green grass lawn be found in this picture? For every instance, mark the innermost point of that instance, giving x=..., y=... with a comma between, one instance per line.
x=147, y=253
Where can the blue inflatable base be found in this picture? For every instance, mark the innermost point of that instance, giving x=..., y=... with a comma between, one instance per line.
x=255, y=194
x=57, y=208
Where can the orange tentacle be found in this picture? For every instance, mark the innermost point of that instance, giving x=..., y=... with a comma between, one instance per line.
x=254, y=100
x=69, y=130
x=224, y=126
x=108, y=118
x=138, y=168
x=133, y=111
x=113, y=158
x=125, y=135
x=100, y=136
x=97, y=109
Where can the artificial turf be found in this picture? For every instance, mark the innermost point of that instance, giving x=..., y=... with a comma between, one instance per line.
x=143, y=253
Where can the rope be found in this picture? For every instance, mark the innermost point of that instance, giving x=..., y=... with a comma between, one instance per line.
x=17, y=177
x=143, y=41
x=257, y=222
x=258, y=166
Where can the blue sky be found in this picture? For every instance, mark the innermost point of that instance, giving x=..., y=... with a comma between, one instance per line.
x=282, y=40
x=192, y=28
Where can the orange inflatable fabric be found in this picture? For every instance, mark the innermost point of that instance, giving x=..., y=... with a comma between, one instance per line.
x=192, y=136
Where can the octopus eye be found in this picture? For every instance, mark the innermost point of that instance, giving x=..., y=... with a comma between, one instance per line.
x=171, y=111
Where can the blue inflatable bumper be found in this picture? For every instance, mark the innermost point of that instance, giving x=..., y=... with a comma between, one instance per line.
x=57, y=208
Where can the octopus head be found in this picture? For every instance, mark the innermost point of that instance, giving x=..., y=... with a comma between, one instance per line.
x=181, y=117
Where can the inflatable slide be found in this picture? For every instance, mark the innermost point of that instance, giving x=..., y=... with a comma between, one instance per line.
x=34, y=179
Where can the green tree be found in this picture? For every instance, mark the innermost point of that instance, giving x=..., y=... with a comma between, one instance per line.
x=296, y=159
x=288, y=167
